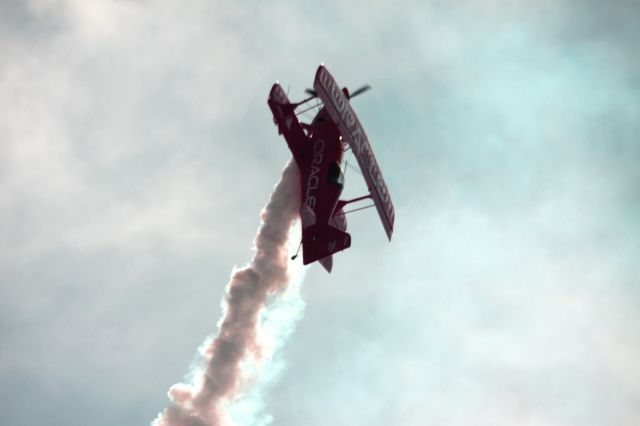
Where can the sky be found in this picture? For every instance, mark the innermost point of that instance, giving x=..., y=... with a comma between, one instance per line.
x=137, y=151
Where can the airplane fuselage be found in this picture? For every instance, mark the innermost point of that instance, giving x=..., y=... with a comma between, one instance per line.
x=319, y=163
x=317, y=149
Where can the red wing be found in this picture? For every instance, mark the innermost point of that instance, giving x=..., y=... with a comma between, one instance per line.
x=285, y=118
x=345, y=118
x=278, y=94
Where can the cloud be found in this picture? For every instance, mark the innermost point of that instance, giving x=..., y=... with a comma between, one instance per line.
x=135, y=134
x=225, y=377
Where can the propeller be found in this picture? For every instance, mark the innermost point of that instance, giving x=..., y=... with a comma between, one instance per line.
x=356, y=92
x=359, y=91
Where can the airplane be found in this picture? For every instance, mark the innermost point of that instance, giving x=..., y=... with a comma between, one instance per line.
x=318, y=148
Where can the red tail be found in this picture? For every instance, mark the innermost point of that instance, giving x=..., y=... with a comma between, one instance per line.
x=319, y=241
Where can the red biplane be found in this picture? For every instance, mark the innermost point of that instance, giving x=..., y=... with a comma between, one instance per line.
x=318, y=149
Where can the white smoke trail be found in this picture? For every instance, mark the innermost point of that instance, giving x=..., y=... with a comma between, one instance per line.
x=228, y=386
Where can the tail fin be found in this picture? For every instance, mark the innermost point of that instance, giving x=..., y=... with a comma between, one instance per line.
x=327, y=263
x=320, y=241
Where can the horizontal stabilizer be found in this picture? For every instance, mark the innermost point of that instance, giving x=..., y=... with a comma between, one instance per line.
x=320, y=241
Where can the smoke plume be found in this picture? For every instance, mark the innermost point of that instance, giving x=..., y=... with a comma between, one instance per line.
x=233, y=359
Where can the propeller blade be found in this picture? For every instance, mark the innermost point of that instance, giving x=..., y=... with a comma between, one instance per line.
x=359, y=91
x=310, y=92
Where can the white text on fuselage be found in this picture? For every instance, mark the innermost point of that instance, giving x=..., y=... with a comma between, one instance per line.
x=314, y=176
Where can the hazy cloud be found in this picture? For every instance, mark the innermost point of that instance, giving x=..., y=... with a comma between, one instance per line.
x=136, y=147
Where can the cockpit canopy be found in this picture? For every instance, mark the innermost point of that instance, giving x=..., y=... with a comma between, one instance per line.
x=335, y=175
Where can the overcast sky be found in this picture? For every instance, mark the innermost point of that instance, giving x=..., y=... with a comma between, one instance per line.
x=137, y=149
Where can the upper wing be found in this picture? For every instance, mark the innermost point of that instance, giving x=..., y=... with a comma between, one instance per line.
x=345, y=118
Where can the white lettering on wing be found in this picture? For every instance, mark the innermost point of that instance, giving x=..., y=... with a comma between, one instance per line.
x=349, y=124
